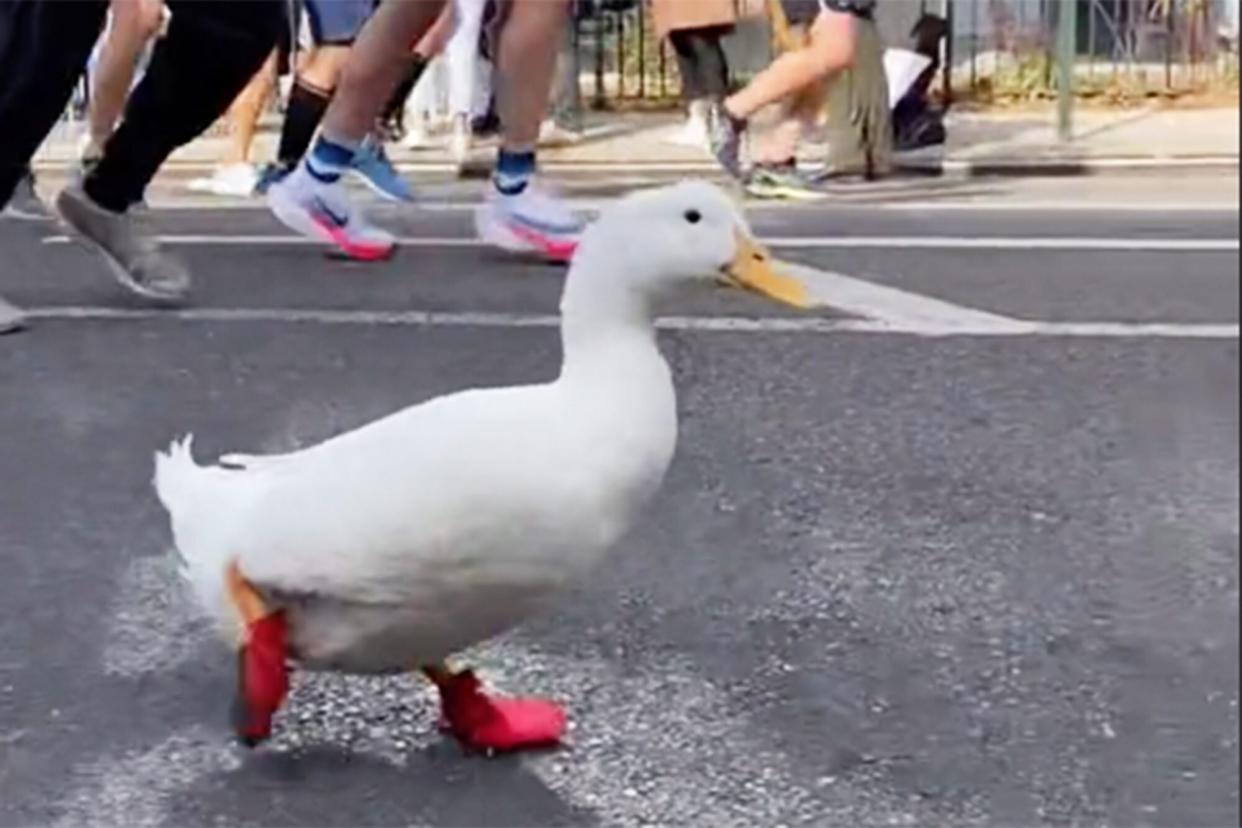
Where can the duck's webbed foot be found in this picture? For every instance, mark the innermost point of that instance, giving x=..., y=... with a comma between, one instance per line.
x=491, y=724
x=262, y=671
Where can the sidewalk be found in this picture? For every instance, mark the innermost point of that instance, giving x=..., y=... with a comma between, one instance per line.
x=1019, y=143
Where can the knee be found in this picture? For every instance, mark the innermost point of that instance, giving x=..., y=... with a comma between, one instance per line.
x=137, y=20
x=148, y=17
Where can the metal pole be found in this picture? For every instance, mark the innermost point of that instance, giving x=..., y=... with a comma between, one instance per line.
x=1065, y=87
x=620, y=18
x=1168, y=47
x=948, y=54
x=598, y=28
x=642, y=52
x=974, y=45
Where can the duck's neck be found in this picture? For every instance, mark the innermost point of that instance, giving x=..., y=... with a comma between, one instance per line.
x=603, y=315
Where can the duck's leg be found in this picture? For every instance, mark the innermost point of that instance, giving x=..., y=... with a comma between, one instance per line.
x=491, y=724
x=262, y=673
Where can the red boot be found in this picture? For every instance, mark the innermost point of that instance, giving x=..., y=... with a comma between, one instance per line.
x=262, y=679
x=481, y=722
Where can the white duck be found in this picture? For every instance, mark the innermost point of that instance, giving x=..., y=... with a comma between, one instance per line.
x=393, y=546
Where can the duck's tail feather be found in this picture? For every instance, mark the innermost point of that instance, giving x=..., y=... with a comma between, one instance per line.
x=200, y=501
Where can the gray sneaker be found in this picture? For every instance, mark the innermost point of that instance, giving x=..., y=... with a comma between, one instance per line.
x=128, y=244
x=725, y=137
x=25, y=203
x=11, y=319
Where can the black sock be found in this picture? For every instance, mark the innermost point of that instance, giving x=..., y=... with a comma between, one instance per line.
x=306, y=107
x=394, y=111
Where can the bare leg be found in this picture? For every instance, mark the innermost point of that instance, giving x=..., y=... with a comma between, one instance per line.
x=831, y=49
x=375, y=66
x=779, y=145
x=134, y=22
x=526, y=64
x=392, y=120
x=323, y=70
x=437, y=37
x=246, y=110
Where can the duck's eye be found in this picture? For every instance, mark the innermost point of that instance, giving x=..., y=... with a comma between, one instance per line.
x=693, y=216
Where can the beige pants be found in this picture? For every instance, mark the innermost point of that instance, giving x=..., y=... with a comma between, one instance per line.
x=860, y=132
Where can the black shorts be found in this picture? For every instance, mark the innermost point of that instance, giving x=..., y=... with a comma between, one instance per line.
x=804, y=12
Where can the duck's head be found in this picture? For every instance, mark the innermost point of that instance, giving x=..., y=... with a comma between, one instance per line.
x=686, y=234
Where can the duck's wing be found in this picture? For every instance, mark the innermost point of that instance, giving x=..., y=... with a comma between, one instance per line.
x=416, y=496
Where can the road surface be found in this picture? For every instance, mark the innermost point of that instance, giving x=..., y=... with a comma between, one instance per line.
x=961, y=547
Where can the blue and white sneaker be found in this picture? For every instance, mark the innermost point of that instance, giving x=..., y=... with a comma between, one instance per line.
x=371, y=164
x=269, y=175
x=324, y=213
x=533, y=221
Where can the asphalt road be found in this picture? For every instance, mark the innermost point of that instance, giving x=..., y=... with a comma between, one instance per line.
x=983, y=577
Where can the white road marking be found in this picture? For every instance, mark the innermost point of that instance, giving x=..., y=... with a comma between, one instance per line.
x=897, y=309
x=790, y=325
x=153, y=624
x=1146, y=245
x=136, y=788
x=1005, y=243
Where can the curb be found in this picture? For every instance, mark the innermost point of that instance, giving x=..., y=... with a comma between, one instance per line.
x=1067, y=167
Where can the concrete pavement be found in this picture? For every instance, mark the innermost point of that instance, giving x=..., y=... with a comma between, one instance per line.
x=894, y=578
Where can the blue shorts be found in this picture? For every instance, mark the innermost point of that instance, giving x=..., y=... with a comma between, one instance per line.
x=337, y=22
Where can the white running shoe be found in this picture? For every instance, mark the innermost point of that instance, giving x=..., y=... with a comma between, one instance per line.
x=696, y=130
x=229, y=180
x=324, y=213
x=533, y=221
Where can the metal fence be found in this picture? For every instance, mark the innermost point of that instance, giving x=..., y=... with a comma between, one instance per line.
x=622, y=62
x=996, y=47
x=1137, y=46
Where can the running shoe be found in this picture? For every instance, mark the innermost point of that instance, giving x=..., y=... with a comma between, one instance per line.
x=725, y=139
x=25, y=203
x=533, y=221
x=371, y=164
x=324, y=213
x=269, y=175
x=228, y=180
x=781, y=182
x=128, y=245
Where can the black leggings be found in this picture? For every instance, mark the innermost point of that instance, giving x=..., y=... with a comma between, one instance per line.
x=704, y=69
x=212, y=49
x=44, y=45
